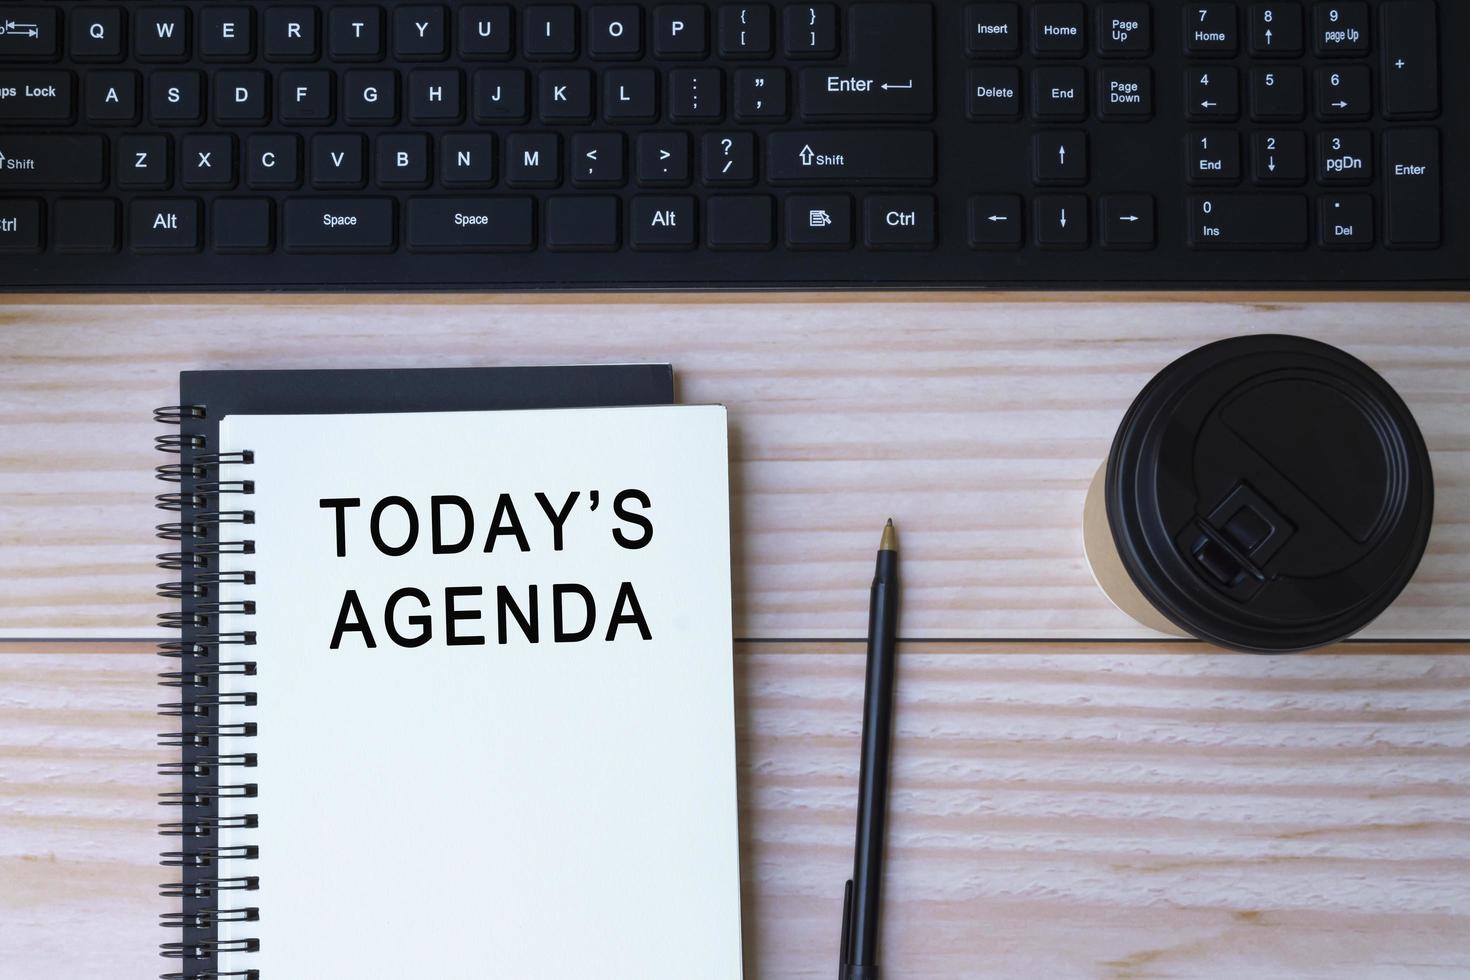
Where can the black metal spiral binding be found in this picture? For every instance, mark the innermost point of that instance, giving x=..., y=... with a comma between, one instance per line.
x=209, y=750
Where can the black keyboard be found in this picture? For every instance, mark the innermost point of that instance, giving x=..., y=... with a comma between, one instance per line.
x=677, y=145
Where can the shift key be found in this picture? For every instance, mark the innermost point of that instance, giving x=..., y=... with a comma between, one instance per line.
x=28, y=161
x=850, y=157
x=339, y=224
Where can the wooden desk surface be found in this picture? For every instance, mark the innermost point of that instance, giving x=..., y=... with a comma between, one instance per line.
x=1072, y=798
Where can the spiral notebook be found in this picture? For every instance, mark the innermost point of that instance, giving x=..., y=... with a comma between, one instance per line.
x=457, y=692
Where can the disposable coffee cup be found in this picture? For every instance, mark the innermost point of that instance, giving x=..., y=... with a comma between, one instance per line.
x=1270, y=494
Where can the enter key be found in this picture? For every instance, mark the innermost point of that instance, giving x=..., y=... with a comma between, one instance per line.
x=889, y=73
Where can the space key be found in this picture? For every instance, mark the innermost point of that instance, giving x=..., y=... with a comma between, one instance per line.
x=1248, y=221
x=851, y=157
x=339, y=224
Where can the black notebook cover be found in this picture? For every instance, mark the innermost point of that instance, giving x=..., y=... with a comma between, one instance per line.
x=214, y=762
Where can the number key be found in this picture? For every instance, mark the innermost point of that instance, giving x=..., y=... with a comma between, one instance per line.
x=1279, y=158
x=1345, y=157
x=1214, y=158
x=1210, y=28
x=1276, y=30
x=1212, y=93
x=1340, y=28
x=1343, y=93
x=1278, y=93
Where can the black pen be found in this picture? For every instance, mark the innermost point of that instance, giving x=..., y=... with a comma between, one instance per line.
x=859, y=957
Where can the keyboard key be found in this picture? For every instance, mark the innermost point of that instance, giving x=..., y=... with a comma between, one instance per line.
x=1059, y=94
x=1061, y=222
x=337, y=160
x=995, y=222
x=355, y=34
x=1345, y=221
x=615, y=32
x=86, y=225
x=306, y=98
x=745, y=30
x=1276, y=30
x=1279, y=157
x=1210, y=28
x=112, y=98
x=338, y=224
x=240, y=98
x=161, y=34
x=1212, y=93
x=890, y=69
x=207, y=161
x=566, y=95
x=850, y=157
x=469, y=224
x=500, y=96
x=242, y=224
x=176, y=98
x=420, y=33
x=1059, y=30
x=485, y=31
x=994, y=93
x=1345, y=157
x=1214, y=158
x=1410, y=69
x=582, y=224
x=1125, y=93
x=143, y=162
x=1411, y=174
x=696, y=95
x=273, y=160
x=819, y=221
x=35, y=96
x=370, y=98
x=760, y=94
x=96, y=34
x=164, y=225
x=20, y=226
x=1340, y=28
x=402, y=160
x=1247, y=221
x=226, y=34
x=679, y=31
x=290, y=34
x=1278, y=93
x=1343, y=93
x=663, y=158
x=51, y=161
x=533, y=160
x=740, y=223
x=434, y=96
x=729, y=158
x=597, y=160
x=1059, y=158
x=1127, y=221
x=1124, y=30
x=899, y=222
x=31, y=34
x=662, y=223
x=992, y=29
x=811, y=30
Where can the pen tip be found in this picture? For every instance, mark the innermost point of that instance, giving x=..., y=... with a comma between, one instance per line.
x=890, y=538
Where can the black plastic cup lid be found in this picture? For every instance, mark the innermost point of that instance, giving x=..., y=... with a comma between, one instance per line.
x=1270, y=494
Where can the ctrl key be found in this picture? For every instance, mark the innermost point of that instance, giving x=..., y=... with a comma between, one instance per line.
x=20, y=226
x=899, y=221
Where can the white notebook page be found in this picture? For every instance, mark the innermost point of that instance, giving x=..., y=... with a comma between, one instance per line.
x=517, y=809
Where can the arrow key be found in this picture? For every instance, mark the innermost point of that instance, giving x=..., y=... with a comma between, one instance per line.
x=995, y=222
x=1061, y=221
x=1279, y=157
x=1128, y=221
x=1212, y=93
x=1343, y=93
x=1060, y=158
